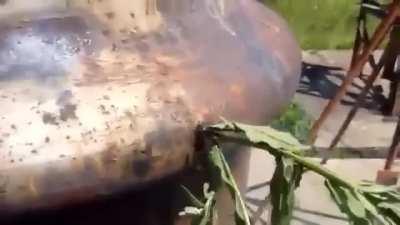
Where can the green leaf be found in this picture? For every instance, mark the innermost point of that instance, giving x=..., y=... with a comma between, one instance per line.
x=275, y=142
x=348, y=204
x=261, y=134
x=386, y=199
x=219, y=163
x=209, y=210
x=394, y=207
x=206, y=213
x=364, y=203
x=294, y=120
x=375, y=188
x=357, y=206
x=375, y=212
x=285, y=180
x=193, y=199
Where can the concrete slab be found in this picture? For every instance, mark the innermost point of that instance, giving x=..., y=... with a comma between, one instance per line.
x=313, y=203
x=321, y=78
x=319, y=85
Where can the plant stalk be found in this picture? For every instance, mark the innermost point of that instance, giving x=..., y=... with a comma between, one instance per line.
x=316, y=167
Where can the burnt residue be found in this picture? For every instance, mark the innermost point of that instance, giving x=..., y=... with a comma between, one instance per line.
x=142, y=46
x=68, y=112
x=67, y=109
x=132, y=119
x=141, y=167
x=142, y=161
x=106, y=32
x=110, y=155
x=65, y=97
x=43, y=49
x=110, y=15
x=153, y=205
x=157, y=140
x=49, y=118
x=103, y=110
x=4, y=180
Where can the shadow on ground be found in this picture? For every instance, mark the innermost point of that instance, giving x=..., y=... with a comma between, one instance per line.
x=261, y=205
x=324, y=81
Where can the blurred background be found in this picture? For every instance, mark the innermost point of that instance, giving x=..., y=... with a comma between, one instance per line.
x=320, y=24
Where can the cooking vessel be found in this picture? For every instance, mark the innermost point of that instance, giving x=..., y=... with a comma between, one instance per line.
x=97, y=97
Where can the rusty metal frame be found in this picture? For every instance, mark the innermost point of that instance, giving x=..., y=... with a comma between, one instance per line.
x=360, y=60
x=359, y=102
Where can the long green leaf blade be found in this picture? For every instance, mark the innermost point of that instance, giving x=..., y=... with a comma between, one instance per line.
x=364, y=203
x=219, y=163
x=285, y=180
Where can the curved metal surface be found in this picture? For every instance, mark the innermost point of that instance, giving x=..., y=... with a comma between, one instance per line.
x=98, y=96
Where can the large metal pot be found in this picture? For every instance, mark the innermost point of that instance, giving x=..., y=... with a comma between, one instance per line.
x=101, y=96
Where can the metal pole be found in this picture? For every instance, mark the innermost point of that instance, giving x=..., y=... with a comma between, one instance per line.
x=358, y=38
x=360, y=100
x=394, y=148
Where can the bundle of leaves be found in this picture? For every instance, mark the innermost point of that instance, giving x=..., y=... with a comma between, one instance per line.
x=363, y=203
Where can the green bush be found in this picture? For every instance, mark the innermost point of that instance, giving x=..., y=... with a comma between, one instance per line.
x=294, y=120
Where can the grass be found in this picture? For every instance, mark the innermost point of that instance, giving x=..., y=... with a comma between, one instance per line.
x=320, y=24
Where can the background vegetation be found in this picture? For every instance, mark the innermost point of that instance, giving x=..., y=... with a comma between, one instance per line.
x=294, y=120
x=320, y=24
